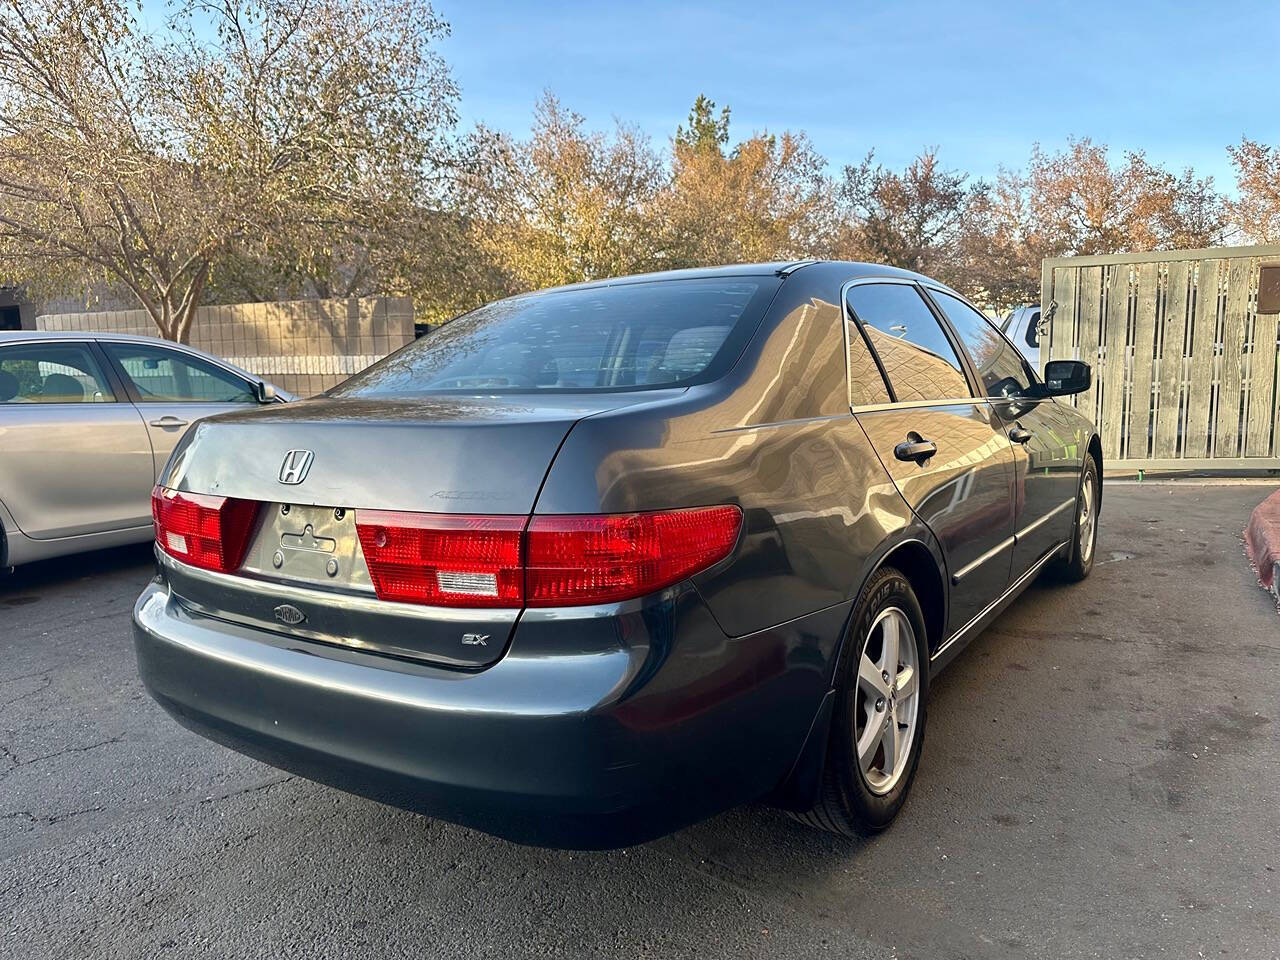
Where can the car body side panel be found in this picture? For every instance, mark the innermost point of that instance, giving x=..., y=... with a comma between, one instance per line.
x=777, y=438
x=1047, y=474
x=22, y=549
x=75, y=468
x=963, y=492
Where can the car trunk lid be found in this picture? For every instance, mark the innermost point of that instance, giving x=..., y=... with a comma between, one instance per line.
x=313, y=466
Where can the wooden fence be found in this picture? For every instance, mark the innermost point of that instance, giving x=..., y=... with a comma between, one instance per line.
x=1184, y=363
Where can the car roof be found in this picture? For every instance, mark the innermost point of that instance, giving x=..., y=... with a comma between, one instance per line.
x=6, y=335
x=780, y=268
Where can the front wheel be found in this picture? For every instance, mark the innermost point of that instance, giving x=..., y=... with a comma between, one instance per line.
x=1078, y=562
x=878, y=723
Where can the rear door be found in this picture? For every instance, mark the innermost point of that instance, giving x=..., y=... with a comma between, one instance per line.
x=74, y=454
x=1047, y=440
x=174, y=388
x=962, y=489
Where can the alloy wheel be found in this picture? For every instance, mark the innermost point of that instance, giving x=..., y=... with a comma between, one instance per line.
x=1088, y=519
x=887, y=704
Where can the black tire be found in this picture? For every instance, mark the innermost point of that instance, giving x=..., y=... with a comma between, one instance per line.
x=1078, y=562
x=848, y=804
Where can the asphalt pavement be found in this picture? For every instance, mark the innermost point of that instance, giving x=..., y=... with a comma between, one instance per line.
x=1101, y=778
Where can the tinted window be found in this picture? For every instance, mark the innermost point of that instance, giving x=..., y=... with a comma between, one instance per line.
x=866, y=385
x=51, y=373
x=169, y=376
x=917, y=356
x=1003, y=371
x=635, y=335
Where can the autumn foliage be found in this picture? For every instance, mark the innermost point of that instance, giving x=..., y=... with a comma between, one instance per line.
x=260, y=149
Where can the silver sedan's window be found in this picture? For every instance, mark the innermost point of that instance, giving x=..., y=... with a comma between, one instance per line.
x=625, y=337
x=160, y=375
x=51, y=373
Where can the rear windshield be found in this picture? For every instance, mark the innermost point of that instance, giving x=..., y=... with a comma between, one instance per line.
x=631, y=336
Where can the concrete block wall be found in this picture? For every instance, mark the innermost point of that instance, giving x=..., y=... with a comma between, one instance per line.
x=304, y=346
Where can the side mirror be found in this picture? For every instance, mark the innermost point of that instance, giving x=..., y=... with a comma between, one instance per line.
x=1063, y=378
x=266, y=392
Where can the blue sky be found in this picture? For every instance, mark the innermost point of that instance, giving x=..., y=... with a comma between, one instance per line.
x=980, y=81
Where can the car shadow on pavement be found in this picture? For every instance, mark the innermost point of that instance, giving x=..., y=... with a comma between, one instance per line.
x=24, y=583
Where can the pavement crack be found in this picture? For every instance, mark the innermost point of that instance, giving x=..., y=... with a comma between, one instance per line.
x=49, y=819
x=254, y=788
x=25, y=676
x=17, y=761
x=47, y=683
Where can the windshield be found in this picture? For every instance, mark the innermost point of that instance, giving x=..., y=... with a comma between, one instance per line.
x=631, y=336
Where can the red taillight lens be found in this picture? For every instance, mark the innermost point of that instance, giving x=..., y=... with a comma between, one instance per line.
x=202, y=530
x=447, y=560
x=585, y=559
x=453, y=560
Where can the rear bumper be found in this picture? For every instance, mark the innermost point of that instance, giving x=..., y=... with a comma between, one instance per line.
x=598, y=728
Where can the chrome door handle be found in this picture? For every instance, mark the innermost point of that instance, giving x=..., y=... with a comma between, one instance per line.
x=1019, y=435
x=169, y=422
x=915, y=448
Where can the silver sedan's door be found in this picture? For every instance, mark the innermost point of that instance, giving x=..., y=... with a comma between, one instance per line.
x=173, y=389
x=74, y=457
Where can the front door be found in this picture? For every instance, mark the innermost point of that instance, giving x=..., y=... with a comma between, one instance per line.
x=173, y=389
x=74, y=456
x=1048, y=442
x=1048, y=446
x=946, y=451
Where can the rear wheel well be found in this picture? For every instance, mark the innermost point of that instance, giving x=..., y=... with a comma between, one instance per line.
x=914, y=561
x=802, y=787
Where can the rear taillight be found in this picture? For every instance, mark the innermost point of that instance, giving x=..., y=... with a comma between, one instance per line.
x=601, y=559
x=205, y=531
x=446, y=560
x=551, y=561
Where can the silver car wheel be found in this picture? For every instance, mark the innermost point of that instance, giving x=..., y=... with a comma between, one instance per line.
x=1088, y=519
x=887, y=702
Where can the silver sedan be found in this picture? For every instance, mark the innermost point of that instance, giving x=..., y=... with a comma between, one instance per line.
x=87, y=421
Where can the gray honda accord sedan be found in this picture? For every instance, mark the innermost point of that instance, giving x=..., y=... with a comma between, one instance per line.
x=584, y=566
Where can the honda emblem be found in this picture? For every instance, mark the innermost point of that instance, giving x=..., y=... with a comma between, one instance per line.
x=295, y=466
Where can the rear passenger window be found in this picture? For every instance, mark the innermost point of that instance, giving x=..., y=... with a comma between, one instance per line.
x=917, y=357
x=866, y=386
x=51, y=372
x=1003, y=371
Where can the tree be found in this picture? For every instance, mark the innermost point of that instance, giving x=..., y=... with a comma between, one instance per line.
x=249, y=142
x=1001, y=253
x=1079, y=203
x=766, y=198
x=916, y=219
x=566, y=205
x=706, y=131
x=1258, y=180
